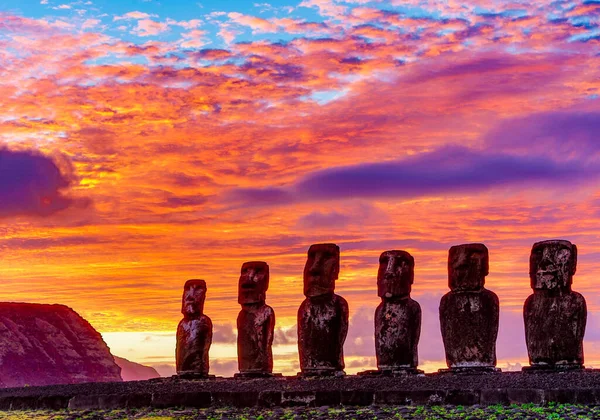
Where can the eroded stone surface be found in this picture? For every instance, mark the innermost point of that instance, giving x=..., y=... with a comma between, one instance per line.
x=469, y=313
x=255, y=322
x=323, y=316
x=398, y=317
x=194, y=333
x=555, y=316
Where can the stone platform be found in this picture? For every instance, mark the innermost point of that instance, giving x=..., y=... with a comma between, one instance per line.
x=502, y=388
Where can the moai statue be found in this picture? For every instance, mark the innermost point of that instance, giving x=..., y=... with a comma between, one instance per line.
x=469, y=313
x=323, y=316
x=555, y=316
x=397, y=318
x=194, y=333
x=255, y=322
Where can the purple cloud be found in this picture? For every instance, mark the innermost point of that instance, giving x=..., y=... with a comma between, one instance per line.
x=31, y=184
x=451, y=169
x=559, y=135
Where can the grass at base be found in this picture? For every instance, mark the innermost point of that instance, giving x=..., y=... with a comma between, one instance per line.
x=498, y=412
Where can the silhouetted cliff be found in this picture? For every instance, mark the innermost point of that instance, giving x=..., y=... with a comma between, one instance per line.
x=51, y=344
x=131, y=371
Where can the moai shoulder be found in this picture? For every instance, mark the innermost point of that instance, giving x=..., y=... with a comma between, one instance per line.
x=323, y=316
x=469, y=313
x=555, y=316
x=255, y=322
x=398, y=317
x=194, y=332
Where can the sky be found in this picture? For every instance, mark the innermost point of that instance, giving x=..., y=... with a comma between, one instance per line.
x=144, y=143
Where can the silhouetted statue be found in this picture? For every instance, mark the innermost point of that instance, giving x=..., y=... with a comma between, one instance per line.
x=194, y=333
x=255, y=322
x=469, y=312
x=398, y=317
x=323, y=316
x=555, y=316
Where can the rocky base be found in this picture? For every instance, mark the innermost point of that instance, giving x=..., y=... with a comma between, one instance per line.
x=193, y=376
x=552, y=368
x=476, y=370
x=256, y=375
x=582, y=387
x=395, y=372
x=321, y=373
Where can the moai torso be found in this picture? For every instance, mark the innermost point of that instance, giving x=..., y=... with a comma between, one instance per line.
x=194, y=332
x=469, y=313
x=398, y=317
x=323, y=316
x=555, y=316
x=256, y=321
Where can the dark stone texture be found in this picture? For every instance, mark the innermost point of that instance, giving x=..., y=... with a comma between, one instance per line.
x=255, y=322
x=329, y=398
x=184, y=399
x=555, y=316
x=57, y=402
x=462, y=397
x=392, y=398
x=269, y=399
x=398, y=317
x=577, y=387
x=525, y=396
x=323, y=316
x=297, y=399
x=84, y=402
x=428, y=397
x=236, y=399
x=24, y=403
x=194, y=332
x=358, y=398
x=5, y=403
x=51, y=344
x=494, y=396
x=469, y=313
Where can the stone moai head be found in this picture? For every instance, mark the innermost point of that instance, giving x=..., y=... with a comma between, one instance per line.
x=396, y=274
x=194, y=294
x=552, y=265
x=468, y=265
x=254, y=282
x=321, y=269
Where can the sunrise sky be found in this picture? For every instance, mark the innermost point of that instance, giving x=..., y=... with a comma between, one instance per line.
x=147, y=142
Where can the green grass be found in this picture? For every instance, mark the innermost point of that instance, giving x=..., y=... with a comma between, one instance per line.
x=497, y=412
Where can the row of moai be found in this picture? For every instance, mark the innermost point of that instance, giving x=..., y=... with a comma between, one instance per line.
x=554, y=315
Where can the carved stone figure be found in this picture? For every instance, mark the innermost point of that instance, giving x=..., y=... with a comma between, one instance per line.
x=194, y=333
x=397, y=318
x=555, y=316
x=255, y=322
x=469, y=313
x=323, y=316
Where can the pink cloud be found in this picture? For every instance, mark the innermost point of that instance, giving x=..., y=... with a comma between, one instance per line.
x=149, y=27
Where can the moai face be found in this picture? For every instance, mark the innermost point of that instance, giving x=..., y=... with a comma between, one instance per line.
x=321, y=269
x=552, y=265
x=468, y=265
x=254, y=282
x=396, y=274
x=194, y=293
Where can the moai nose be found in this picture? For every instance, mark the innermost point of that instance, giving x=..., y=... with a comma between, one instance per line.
x=316, y=266
x=547, y=260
